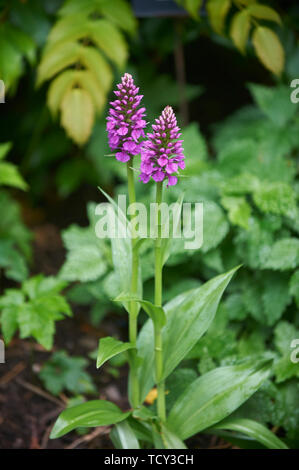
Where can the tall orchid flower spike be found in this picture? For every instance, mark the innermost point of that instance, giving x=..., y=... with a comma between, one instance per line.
x=162, y=152
x=125, y=121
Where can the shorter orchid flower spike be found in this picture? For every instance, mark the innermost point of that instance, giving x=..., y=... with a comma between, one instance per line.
x=162, y=153
x=125, y=120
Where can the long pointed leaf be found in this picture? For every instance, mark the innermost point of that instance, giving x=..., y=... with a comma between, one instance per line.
x=254, y=430
x=189, y=315
x=215, y=395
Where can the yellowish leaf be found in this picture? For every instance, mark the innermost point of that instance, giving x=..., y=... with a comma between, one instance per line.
x=263, y=12
x=217, y=11
x=77, y=114
x=239, y=30
x=269, y=49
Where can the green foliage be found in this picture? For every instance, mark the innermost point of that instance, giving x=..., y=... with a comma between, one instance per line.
x=75, y=59
x=89, y=414
x=9, y=174
x=34, y=309
x=15, y=249
x=64, y=373
x=15, y=46
x=246, y=16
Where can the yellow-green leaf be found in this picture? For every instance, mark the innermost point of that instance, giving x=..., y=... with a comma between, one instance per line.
x=59, y=57
x=110, y=40
x=217, y=11
x=264, y=12
x=239, y=30
x=77, y=115
x=58, y=88
x=269, y=49
x=93, y=60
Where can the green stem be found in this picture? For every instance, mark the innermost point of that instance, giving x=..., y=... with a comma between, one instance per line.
x=158, y=301
x=133, y=308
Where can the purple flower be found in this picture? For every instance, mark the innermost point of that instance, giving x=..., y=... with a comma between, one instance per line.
x=162, y=154
x=125, y=121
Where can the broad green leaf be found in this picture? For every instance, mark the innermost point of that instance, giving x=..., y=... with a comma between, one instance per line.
x=294, y=286
x=239, y=30
x=263, y=12
x=254, y=430
x=268, y=49
x=90, y=414
x=10, y=176
x=110, y=347
x=217, y=11
x=189, y=315
x=123, y=436
x=215, y=395
x=77, y=115
x=284, y=255
x=239, y=210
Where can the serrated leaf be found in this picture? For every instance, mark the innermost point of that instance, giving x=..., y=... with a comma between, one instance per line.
x=275, y=198
x=284, y=255
x=84, y=264
x=274, y=102
x=240, y=28
x=268, y=49
x=77, y=115
x=63, y=372
x=217, y=11
x=215, y=395
x=110, y=347
x=239, y=210
x=10, y=63
x=90, y=414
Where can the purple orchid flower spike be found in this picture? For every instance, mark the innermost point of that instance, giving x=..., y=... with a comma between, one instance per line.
x=125, y=121
x=162, y=154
